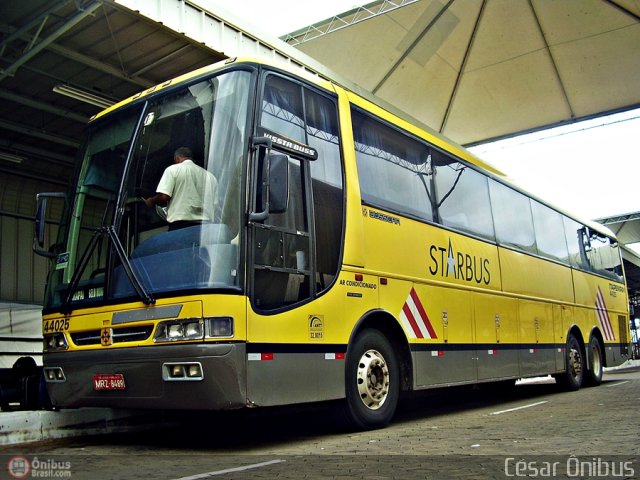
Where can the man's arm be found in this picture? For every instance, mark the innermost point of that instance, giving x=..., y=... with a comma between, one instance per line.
x=157, y=199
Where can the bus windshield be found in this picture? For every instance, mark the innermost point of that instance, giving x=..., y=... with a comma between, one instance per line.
x=187, y=144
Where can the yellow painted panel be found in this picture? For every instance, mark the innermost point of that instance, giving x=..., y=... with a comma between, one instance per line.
x=392, y=299
x=560, y=319
x=527, y=275
x=95, y=319
x=429, y=313
x=586, y=287
x=496, y=319
x=602, y=303
x=450, y=311
x=234, y=306
x=407, y=248
x=337, y=311
x=536, y=322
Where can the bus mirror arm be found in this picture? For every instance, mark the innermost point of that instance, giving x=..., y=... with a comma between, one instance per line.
x=256, y=144
x=40, y=227
x=262, y=216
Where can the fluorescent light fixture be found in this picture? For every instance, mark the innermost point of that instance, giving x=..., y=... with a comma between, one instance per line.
x=10, y=157
x=83, y=95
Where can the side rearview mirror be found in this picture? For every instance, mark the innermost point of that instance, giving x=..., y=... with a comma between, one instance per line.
x=278, y=183
x=273, y=175
x=40, y=227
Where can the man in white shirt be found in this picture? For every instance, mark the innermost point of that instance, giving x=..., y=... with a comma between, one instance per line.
x=188, y=189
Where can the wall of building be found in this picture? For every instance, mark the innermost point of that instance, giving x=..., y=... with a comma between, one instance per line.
x=22, y=273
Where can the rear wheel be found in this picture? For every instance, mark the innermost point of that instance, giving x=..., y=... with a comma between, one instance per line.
x=594, y=374
x=372, y=381
x=573, y=376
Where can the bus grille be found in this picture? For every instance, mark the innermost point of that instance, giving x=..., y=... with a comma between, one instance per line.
x=120, y=335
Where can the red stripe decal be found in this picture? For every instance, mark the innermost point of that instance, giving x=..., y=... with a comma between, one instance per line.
x=412, y=321
x=423, y=313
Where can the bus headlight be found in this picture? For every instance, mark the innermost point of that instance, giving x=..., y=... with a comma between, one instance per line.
x=219, y=327
x=194, y=329
x=177, y=330
x=55, y=341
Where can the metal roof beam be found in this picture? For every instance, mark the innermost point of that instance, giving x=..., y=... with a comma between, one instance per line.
x=40, y=153
x=100, y=66
x=32, y=176
x=45, y=42
x=32, y=132
x=29, y=102
x=619, y=218
x=344, y=20
x=38, y=19
x=162, y=60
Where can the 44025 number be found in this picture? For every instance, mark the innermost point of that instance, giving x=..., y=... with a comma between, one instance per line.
x=53, y=326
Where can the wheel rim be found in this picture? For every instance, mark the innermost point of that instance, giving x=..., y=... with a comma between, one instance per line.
x=575, y=361
x=373, y=379
x=596, y=360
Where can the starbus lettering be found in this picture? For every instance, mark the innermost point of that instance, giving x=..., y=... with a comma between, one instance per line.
x=446, y=263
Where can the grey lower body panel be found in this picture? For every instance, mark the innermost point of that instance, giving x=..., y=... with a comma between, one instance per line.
x=616, y=354
x=442, y=367
x=447, y=364
x=222, y=385
x=295, y=378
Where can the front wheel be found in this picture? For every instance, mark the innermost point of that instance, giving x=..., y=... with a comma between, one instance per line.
x=372, y=381
x=594, y=374
x=571, y=378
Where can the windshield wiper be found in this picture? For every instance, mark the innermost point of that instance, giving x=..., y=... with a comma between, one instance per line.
x=139, y=287
x=142, y=292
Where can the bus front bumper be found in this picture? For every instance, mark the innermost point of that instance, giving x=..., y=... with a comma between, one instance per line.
x=186, y=376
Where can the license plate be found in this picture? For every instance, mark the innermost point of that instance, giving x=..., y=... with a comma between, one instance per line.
x=109, y=381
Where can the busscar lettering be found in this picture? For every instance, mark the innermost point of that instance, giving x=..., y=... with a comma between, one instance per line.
x=447, y=263
x=384, y=217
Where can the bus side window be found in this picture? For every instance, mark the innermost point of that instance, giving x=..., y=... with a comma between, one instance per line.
x=326, y=178
x=575, y=243
x=604, y=256
x=512, y=217
x=462, y=197
x=394, y=168
x=549, y=229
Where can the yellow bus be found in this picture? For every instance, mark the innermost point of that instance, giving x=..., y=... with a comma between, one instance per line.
x=346, y=254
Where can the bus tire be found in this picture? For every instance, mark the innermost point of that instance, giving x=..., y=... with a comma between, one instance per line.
x=372, y=381
x=596, y=365
x=571, y=379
